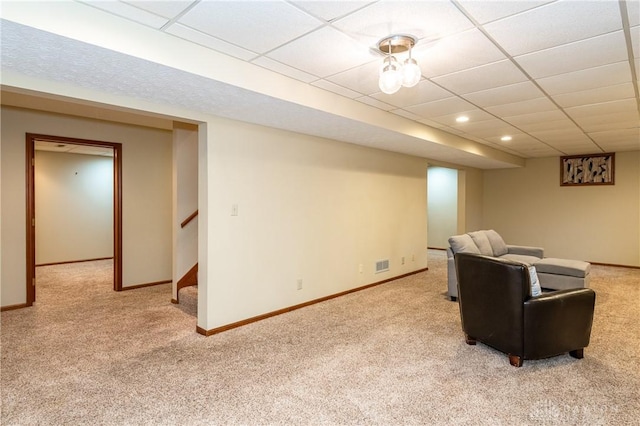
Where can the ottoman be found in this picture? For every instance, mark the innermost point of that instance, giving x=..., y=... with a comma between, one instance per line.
x=562, y=274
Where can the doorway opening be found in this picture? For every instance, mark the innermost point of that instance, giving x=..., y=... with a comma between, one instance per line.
x=116, y=149
x=442, y=198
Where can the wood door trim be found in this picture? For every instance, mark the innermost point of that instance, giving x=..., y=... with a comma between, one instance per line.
x=31, y=209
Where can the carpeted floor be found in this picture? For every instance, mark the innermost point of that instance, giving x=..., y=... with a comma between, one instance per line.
x=392, y=354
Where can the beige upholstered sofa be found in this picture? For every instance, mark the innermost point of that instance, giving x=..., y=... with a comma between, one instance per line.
x=553, y=273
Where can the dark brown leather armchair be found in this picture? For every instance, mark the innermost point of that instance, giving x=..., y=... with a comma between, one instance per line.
x=497, y=309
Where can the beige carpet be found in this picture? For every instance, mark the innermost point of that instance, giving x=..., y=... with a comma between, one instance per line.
x=393, y=354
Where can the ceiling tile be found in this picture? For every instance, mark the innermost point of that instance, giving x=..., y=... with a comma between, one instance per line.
x=604, y=122
x=440, y=107
x=539, y=151
x=541, y=126
x=330, y=10
x=312, y=55
x=518, y=120
x=593, y=52
x=601, y=94
x=486, y=11
x=592, y=78
x=623, y=106
x=407, y=114
x=430, y=123
x=340, y=90
x=524, y=107
x=635, y=40
x=362, y=79
x=281, y=68
x=422, y=19
x=472, y=126
x=167, y=9
x=580, y=148
x=232, y=24
x=555, y=24
x=552, y=136
x=425, y=91
x=505, y=94
x=525, y=144
x=474, y=115
x=620, y=146
x=206, y=40
x=458, y=52
x=485, y=77
x=630, y=136
x=376, y=103
x=127, y=11
x=494, y=134
x=633, y=11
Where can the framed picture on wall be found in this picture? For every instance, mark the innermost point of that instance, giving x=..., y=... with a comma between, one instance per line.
x=595, y=169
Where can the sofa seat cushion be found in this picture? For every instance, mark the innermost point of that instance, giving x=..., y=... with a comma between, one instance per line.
x=572, y=268
x=522, y=258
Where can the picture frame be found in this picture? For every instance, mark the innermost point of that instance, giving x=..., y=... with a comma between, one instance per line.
x=590, y=169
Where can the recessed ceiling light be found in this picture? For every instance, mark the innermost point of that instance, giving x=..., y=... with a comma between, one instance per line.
x=462, y=119
x=506, y=138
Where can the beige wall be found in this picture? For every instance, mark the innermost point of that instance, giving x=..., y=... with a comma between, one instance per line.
x=470, y=188
x=146, y=197
x=74, y=199
x=593, y=223
x=309, y=209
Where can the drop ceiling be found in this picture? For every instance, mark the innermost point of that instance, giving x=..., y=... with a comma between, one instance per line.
x=558, y=77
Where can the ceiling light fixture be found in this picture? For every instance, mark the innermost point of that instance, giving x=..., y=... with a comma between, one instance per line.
x=462, y=119
x=394, y=75
x=505, y=138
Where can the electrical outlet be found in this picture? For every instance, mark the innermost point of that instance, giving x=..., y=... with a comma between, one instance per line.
x=402, y=261
x=413, y=257
x=299, y=284
x=234, y=210
x=360, y=268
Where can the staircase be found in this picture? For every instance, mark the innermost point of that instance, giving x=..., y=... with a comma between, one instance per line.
x=187, y=286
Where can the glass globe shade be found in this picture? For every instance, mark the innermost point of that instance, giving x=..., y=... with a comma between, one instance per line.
x=411, y=73
x=390, y=80
x=389, y=61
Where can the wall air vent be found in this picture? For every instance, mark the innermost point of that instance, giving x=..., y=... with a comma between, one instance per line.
x=382, y=266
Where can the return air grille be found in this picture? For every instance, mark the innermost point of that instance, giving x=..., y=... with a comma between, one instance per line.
x=382, y=266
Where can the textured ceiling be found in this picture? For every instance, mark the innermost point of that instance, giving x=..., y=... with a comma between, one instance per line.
x=559, y=77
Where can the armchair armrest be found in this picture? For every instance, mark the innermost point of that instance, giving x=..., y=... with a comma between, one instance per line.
x=526, y=250
x=558, y=322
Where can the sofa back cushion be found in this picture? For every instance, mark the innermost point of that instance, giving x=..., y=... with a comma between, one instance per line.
x=463, y=244
x=481, y=240
x=497, y=243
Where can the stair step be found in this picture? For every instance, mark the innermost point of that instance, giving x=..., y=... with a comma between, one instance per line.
x=188, y=297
